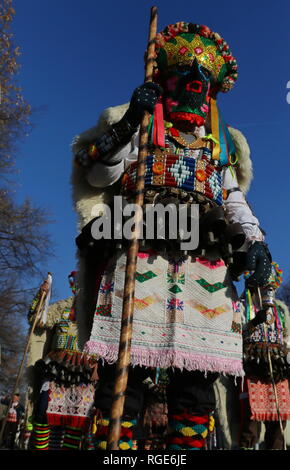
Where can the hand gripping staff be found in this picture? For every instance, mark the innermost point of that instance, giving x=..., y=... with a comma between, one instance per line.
x=122, y=366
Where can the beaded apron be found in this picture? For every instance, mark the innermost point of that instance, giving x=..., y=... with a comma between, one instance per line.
x=184, y=315
x=192, y=170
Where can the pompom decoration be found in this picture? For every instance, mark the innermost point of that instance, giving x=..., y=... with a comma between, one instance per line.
x=247, y=274
x=276, y=278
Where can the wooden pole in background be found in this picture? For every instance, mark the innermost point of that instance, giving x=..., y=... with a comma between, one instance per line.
x=272, y=375
x=18, y=378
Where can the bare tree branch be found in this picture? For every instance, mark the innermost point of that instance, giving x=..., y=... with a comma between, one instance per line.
x=24, y=244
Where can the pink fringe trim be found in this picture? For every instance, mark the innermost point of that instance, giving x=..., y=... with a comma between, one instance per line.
x=210, y=264
x=167, y=358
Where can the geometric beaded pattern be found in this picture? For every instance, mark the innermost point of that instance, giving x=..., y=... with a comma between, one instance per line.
x=210, y=312
x=40, y=436
x=65, y=337
x=211, y=287
x=182, y=315
x=126, y=434
x=178, y=171
x=104, y=310
x=72, y=438
x=67, y=342
x=145, y=276
x=187, y=432
x=174, y=305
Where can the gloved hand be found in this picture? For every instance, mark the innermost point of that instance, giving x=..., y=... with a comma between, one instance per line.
x=143, y=99
x=259, y=260
x=260, y=317
x=106, y=147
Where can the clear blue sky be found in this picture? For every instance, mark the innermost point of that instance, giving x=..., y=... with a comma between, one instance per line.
x=80, y=56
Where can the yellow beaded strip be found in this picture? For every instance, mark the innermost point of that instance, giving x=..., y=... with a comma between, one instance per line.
x=205, y=55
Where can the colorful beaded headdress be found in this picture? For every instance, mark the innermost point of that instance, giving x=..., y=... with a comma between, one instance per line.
x=181, y=43
x=275, y=280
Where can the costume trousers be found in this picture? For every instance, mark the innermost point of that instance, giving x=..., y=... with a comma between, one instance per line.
x=251, y=430
x=190, y=396
x=10, y=434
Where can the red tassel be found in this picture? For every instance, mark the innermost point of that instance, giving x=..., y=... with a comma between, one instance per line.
x=174, y=132
x=95, y=375
x=158, y=125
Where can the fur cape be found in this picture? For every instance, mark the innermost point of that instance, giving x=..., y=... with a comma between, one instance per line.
x=39, y=344
x=54, y=313
x=86, y=196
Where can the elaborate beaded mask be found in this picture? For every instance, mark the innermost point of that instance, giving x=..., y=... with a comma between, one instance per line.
x=186, y=93
x=192, y=63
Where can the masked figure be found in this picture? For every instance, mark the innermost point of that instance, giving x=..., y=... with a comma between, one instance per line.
x=64, y=385
x=266, y=364
x=185, y=315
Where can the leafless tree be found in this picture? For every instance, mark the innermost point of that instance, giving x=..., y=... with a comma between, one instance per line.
x=24, y=243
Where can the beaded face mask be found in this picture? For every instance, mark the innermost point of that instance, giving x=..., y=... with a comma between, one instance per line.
x=186, y=93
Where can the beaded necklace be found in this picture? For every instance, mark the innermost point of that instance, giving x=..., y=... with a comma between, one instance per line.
x=175, y=134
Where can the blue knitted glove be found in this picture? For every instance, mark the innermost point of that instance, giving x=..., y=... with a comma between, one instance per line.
x=143, y=99
x=260, y=317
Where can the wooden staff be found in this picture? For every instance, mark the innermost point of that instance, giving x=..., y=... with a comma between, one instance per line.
x=122, y=366
x=39, y=308
x=272, y=376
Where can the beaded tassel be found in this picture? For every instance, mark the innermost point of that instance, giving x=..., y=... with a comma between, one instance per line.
x=72, y=438
x=188, y=432
x=40, y=436
x=126, y=441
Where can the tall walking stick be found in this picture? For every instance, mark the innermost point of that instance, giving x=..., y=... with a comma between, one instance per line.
x=272, y=378
x=19, y=374
x=122, y=367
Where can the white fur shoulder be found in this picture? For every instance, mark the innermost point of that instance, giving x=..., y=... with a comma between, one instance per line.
x=244, y=168
x=85, y=197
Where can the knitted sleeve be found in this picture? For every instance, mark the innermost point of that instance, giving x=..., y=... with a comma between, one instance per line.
x=237, y=208
x=101, y=175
